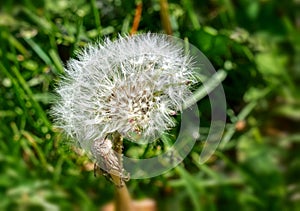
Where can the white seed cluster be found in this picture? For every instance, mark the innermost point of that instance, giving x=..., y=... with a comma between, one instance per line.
x=132, y=86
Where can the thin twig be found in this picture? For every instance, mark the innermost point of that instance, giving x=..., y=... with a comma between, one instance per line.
x=137, y=18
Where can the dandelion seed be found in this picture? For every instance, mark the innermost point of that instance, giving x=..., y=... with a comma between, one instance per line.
x=133, y=86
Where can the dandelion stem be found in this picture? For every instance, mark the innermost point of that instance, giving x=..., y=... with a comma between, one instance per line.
x=123, y=199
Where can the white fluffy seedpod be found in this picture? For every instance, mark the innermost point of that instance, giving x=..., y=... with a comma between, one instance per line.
x=132, y=86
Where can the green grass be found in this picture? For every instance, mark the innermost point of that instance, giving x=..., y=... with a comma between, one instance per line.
x=256, y=43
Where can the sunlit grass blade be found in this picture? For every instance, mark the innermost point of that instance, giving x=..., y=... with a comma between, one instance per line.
x=44, y=56
x=206, y=88
x=24, y=85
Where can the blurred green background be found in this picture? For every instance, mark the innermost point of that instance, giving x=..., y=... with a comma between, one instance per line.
x=257, y=42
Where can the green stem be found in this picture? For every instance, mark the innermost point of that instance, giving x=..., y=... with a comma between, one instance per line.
x=164, y=14
x=96, y=16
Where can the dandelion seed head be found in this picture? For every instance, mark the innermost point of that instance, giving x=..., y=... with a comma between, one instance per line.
x=133, y=86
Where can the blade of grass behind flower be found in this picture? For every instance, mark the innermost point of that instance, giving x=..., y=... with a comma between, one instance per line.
x=20, y=95
x=33, y=142
x=188, y=5
x=242, y=116
x=204, y=90
x=189, y=181
x=15, y=43
x=29, y=93
x=41, y=53
x=41, y=22
x=96, y=16
x=56, y=61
